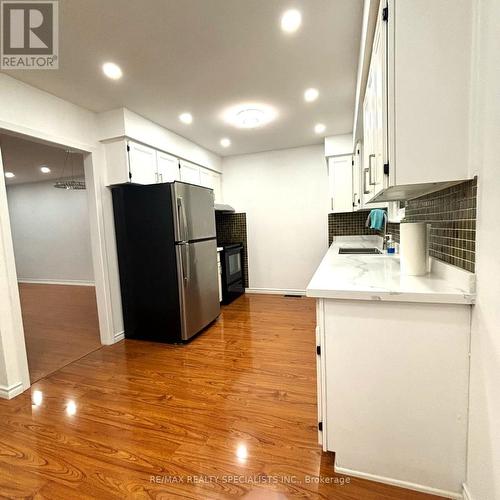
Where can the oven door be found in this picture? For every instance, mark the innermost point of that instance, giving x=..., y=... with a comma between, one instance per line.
x=233, y=265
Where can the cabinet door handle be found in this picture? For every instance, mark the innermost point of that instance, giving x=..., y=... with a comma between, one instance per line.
x=354, y=199
x=156, y=177
x=365, y=188
x=372, y=181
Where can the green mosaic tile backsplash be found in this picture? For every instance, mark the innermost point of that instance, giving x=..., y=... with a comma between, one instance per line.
x=451, y=214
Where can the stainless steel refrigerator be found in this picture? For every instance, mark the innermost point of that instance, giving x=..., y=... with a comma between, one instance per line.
x=167, y=256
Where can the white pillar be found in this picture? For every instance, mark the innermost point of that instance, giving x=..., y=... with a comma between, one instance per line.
x=14, y=374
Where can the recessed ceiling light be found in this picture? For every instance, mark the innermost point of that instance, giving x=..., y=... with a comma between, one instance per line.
x=250, y=115
x=186, y=118
x=9, y=175
x=311, y=95
x=225, y=143
x=319, y=128
x=291, y=20
x=112, y=70
x=45, y=170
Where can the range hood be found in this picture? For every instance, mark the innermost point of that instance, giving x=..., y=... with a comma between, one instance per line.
x=221, y=207
x=411, y=191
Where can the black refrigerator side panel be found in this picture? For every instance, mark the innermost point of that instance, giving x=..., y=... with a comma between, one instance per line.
x=144, y=229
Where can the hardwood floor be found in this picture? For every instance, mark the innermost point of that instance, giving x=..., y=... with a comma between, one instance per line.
x=60, y=325
x=231, y=414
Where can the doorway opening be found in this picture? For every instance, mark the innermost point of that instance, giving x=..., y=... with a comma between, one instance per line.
x=49, y=218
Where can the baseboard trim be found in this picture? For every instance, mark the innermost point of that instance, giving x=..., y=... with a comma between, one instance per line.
x=57, y=282
x=466, y=493
x=396, y=482
x=11, y=391
x=119, y=336
x=275, y=291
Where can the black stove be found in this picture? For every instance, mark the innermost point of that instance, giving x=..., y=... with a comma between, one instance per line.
x=232, y=272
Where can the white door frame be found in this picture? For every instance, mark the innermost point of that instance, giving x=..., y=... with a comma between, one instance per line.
x=13, y=359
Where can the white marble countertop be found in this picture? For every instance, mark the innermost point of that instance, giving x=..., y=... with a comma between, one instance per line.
x=378, y=277
x=219, y=249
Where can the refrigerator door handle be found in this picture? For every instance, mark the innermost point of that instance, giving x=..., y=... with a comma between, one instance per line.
x=181, y=217
x=181, y=224
x=188, y=263
x=184, y=261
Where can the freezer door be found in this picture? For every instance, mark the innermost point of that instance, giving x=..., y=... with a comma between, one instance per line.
x=198, y=285
x=194, y=212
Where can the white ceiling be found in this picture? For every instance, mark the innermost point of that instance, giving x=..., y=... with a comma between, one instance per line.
x=24, y=159
x=202, y=56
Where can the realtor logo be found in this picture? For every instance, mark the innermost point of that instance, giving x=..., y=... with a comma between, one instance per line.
x=30, y=34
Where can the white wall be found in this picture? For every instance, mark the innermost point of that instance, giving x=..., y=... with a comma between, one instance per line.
x=483, y=475
x=51, y=233
x=26, y=110
x=285, y=196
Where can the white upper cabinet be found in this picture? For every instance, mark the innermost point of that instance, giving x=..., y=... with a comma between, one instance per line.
x=167, y=167
x=356, y=178
x=189, y=172
x=142, y=164
x=375, y=123
x=415, y=109
x=212, y=180
x=129, y=161
x=379, y=102
x=340, y=177
x=367, y=174
x=429, y=89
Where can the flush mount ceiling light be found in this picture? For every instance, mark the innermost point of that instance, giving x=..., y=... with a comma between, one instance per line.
x=225, y=143
x=291, y=21
x=319, y=128
x=112, y=70
x=250, y=115
x=44, y=169
x=9, y=175
x=186, y=118
x=311, y=95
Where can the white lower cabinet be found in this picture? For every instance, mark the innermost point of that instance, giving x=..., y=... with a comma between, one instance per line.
x=393, y=391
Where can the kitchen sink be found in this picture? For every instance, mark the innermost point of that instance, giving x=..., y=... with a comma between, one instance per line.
x=359, y=251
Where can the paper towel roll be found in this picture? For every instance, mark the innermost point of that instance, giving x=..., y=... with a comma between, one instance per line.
x=414, y=249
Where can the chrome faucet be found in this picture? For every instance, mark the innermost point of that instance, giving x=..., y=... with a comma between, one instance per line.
x=385, y=236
